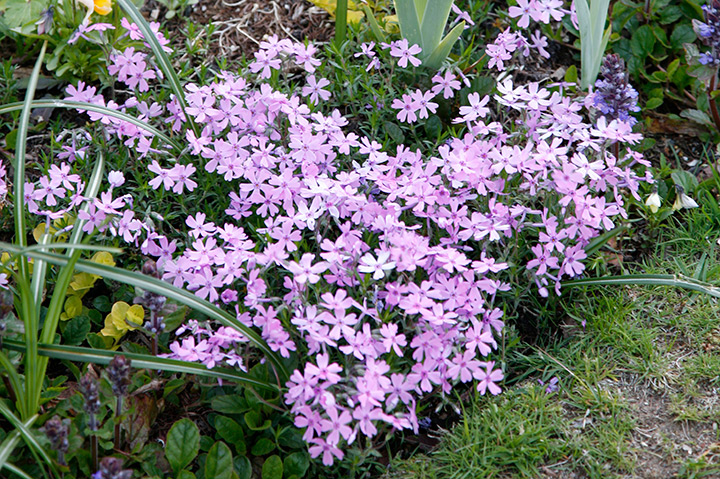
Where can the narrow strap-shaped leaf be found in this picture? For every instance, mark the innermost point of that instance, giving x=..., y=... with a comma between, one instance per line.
x=160, y=56
x=587, y=49
x=9, y=445
x=67, y=272
x=374, y=27
x=677, y=281
x=17, y=471
x=20, y=154
x=165, y=289
x=141, y=361
x=15, y=381
x=436, y=59
x=28, y=437
x=81, y=105
x=597, y=243
x=409, y=21
x=69, y=246
x=432, y=24
x=55, y=308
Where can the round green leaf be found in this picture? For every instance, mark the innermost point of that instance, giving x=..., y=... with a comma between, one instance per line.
x=229, y=404
x=243, y=467
x=219, y=463
x=262, y=447
x=272, y=468
x=296, y=464
x=642, y=41
x=231, y=432
x=183, y=443
x=254, y=421
x=76, y=330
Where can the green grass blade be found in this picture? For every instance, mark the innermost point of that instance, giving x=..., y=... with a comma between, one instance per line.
x=160, y=57
x=165, y=289
x=141, y=361
x=80, y=105
x=432, y=24
x=438, y=56
x=597, y=243
x=409, y=21
x=677, y=281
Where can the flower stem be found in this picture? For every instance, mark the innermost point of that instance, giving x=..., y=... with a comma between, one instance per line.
x=94, y=452
x=118, y=412
x=713, y=103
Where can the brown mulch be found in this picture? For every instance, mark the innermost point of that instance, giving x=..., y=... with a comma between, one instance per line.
x=241, y=25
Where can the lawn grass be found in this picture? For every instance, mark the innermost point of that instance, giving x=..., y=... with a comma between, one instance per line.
x=639, y=377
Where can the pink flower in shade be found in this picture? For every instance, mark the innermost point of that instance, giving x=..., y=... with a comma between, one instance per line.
x=326, y=449
x=488, y=378
x=400, y=49
x=446, y=84
x=337, y=425
x=424, y=103
x=181, y=175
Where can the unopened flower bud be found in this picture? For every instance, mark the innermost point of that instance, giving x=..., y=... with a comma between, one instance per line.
x=118, y=372
x=91, y=393
x=56, y=430
x=111, y=468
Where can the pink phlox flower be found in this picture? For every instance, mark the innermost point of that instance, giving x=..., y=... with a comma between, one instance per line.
x=305, y=271
x=329, y=451
x=525, y=9
x=446, y=83
x=181, y=174
x=314, y=89
x=423, y=102
x=61, y=175
x=310, y=420
x=400, y=49
x=337, y=425
x=198, y=227
x=163, y=177
x=488, y=378
x=480, y=339
x=391, y=339
x=304, y=57
x=475, y=110
x=463, y=365
x=408, y=108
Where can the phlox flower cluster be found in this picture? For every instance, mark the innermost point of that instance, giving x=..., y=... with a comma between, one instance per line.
x=384, y=267
x=509, y=42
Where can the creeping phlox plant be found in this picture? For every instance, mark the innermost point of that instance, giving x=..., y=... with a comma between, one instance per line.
x=384, y=267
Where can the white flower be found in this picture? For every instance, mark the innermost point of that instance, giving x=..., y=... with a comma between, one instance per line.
x=368, y=264
x=653, y=202
x=684, y=201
